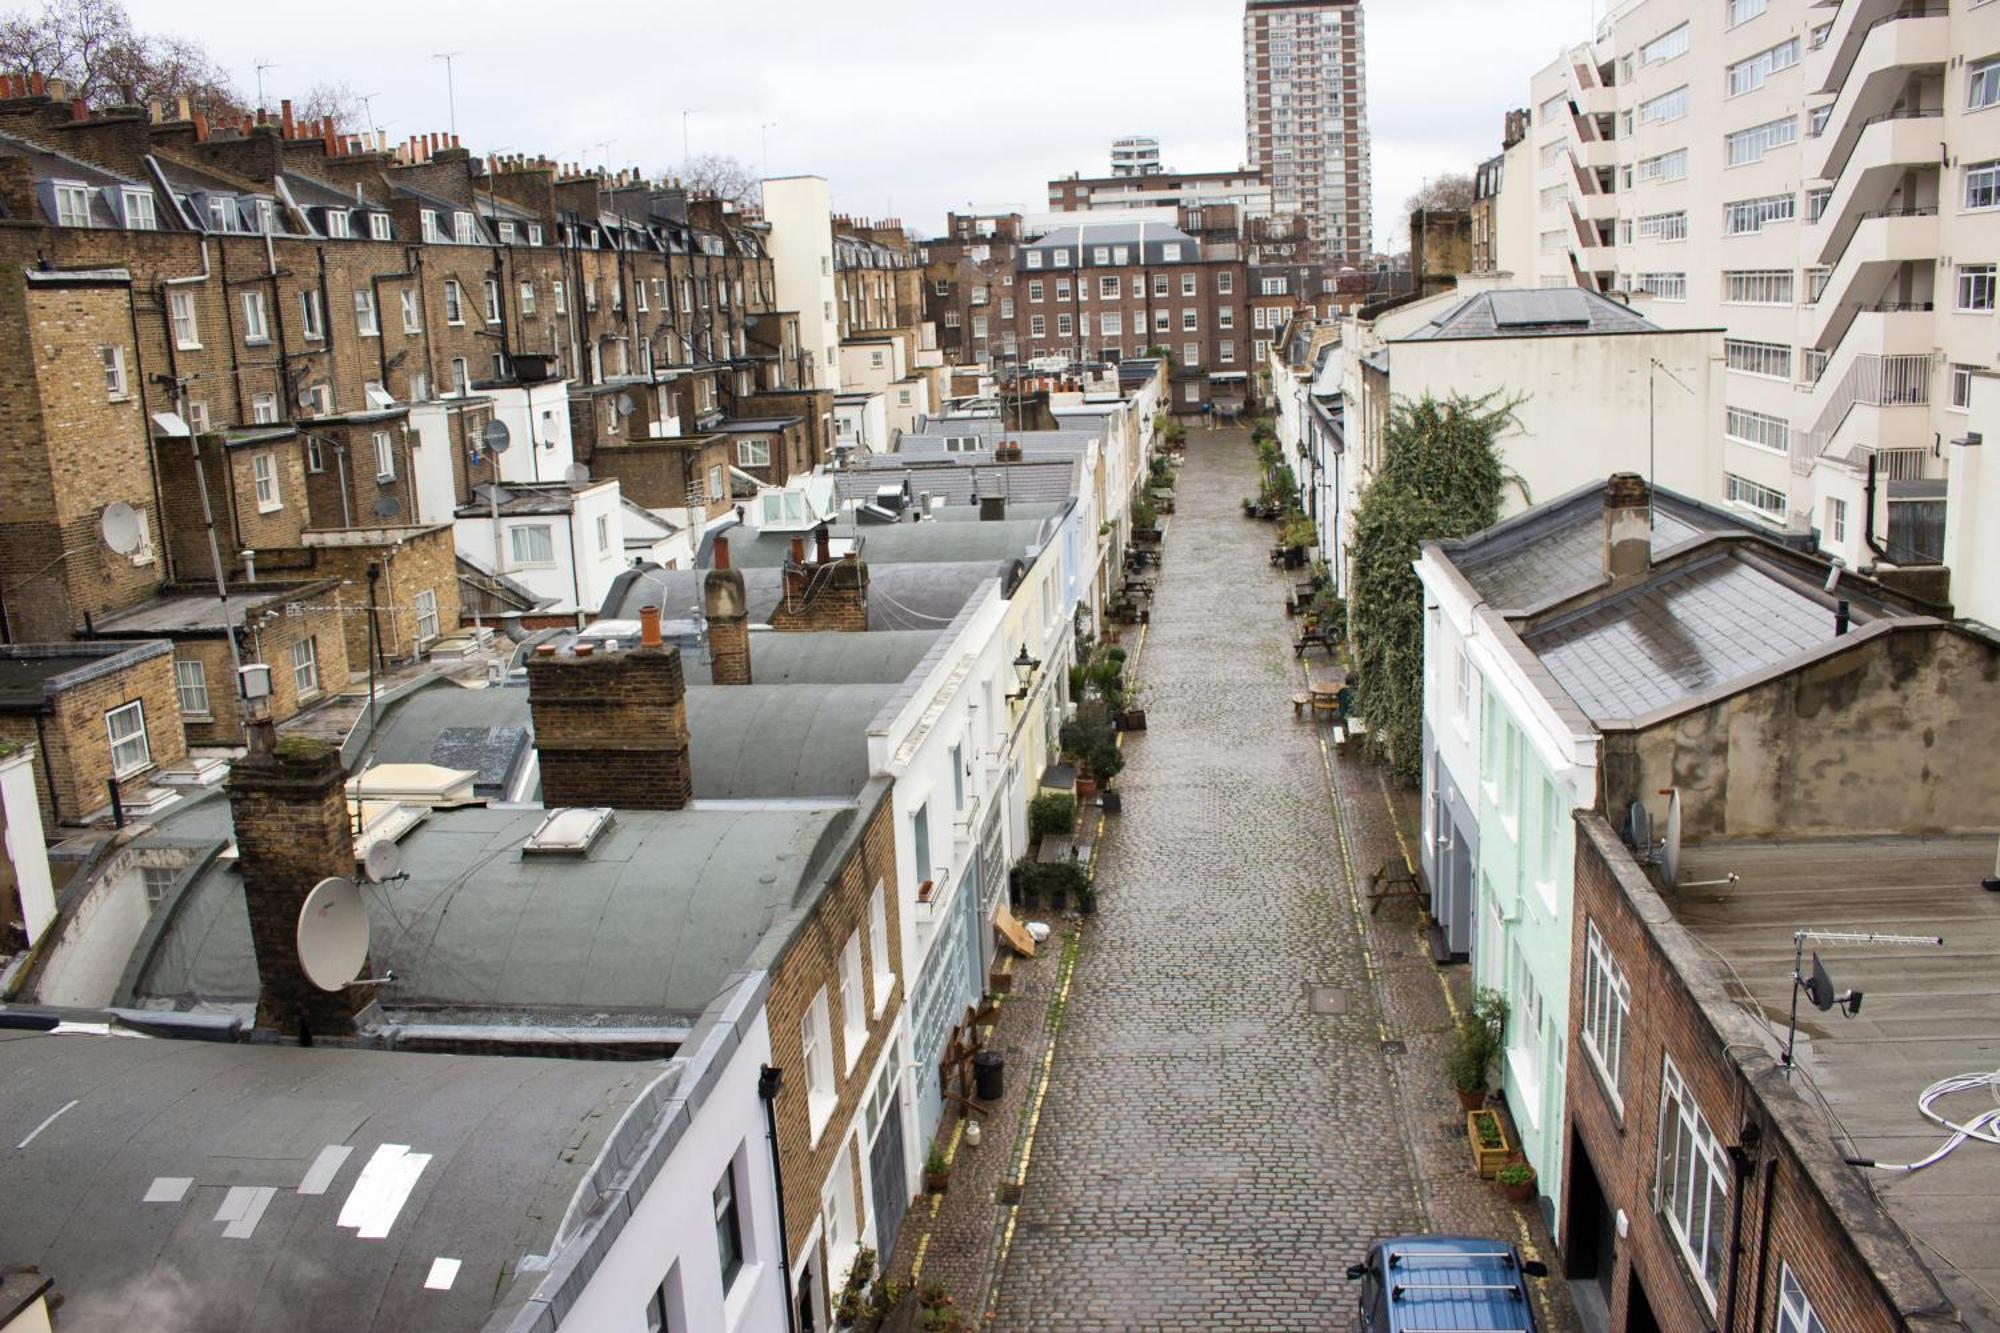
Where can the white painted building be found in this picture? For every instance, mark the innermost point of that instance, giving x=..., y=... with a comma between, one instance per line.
x=21, y=840
x=563, y=544
x=1823, y=181
x=799, y=209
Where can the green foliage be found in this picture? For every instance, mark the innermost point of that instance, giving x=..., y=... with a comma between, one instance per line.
x=1051, y=812
x=1267, y=451
x=1477, y=1042
x=1280, y=486
x=1145, y=514
x=1441, y=477
x=1515, y=1173
x=1091, y=738
x=1298, y=532
x=1061, y=880
x=1487, y=1126
x=935, y=1163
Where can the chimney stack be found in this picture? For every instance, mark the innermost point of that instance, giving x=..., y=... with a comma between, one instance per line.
x=1628, y=528
x=726, y=607
x=611, y=728
x=822, y=544
x=289, y=806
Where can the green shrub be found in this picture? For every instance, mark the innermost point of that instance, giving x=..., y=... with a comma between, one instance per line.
x=1091, y=738
x=1051, y=812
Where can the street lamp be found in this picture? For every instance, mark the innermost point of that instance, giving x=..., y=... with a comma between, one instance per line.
x=1025, y=668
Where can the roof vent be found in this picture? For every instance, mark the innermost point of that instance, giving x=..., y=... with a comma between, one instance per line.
x=568, y=832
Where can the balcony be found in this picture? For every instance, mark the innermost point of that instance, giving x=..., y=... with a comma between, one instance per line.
x=1598, y=207
x=1885, y=150
x=1828, y=65
x=1882, y=242
x=1877, y=402
x=1880, y=77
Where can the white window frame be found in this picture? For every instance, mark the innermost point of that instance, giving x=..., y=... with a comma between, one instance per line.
x=312, y=315
x=72, y=204
x=117, y=384
x=191, y=686
x=454, y=303
x=264, y=478
x=1836, y=519
x=881, y=967
x=413, y=312
x=1750, y=145
x=491, y=290
x=1974, y=289
x=1795, y=1312
x=1960, y=399
x=367, y=320
x=1604, y=1027
x=186, y=321
x=379, y=227
x=519, y=541
x=1768, y=360
x=1764, y=501
x=1673, y=42
x=853, y=1003
x=305, y=667
x=385, y=456
x=131, y=750
x=1982, y=85
x=256, y=320
x=816, y=1058
x=753, y=453
x=1691, y=1182
x=425, y=604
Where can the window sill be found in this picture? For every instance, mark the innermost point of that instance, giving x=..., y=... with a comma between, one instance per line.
x=270, y=508
x=187, y=347
x=307, y=696
x=126, y=775
x=256, y=342
x=852, y=1041
x=884, y=983
x=186, y=716
x=819, y=1110
x=385, y=478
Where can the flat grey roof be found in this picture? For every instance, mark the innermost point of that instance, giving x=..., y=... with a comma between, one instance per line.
x=204, y=1128
x=33, y=674
x=900, y=596
x=1722, y=617
x=484, y=730
x=879, y=657
x=646, y=927
x=1930, y=1013
x=958, y=482
x=910, y=543
x=1533, y=312
x=191, y=613
x=777, y=742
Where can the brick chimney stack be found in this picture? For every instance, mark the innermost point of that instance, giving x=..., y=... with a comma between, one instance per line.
x=827, y=594
x=611, y=728
x=289, y=805
x=727, y=608
x=1628, y=528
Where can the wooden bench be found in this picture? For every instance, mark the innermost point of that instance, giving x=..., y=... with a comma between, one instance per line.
x=1329, y=642
x=1382, y=883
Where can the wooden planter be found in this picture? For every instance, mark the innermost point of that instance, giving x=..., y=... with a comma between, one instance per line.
x=1487, y=1161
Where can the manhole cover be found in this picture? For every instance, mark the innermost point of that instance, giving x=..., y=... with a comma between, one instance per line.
x=1326, y=999
x=1007, y=1192
x=1393, y=1047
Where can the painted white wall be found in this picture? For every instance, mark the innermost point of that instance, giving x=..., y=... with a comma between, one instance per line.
x=799, y=209
x=871, y=364
x=537, y=416
x=430, y=452
x=580, y=568
x=864, y=423
x=27, y=853
x=670, y=1237
x=1972, y=516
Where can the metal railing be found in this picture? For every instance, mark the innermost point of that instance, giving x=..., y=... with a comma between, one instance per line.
x=1872, y=380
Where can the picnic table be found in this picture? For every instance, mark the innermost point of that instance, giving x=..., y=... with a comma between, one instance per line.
x=1317, y=635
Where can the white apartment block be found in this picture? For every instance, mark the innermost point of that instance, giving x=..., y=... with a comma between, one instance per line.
x=1305, y=115
x=1822, y=181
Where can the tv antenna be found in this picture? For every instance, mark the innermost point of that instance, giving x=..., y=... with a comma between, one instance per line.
x=1652, y=479
x=1818, y=983
x=263, y=65
x=450, y=90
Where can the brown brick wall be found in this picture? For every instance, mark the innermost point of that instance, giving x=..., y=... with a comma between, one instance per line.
x=611, y=729
x=78, y=748
x=828, y=596
x=812, y=962
x=222, y=725
x=410, y=563
x=322, y=617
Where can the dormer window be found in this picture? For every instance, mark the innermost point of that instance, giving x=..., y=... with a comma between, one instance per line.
x=534, y=233
x=338, y=225
x=139, y=212
x=1170, y=253
x=222, y=214
x=378, y=226
x=461, y=228
x=265, y=216
x=506, y=233
x=72, y=204
x=432, y=233
x=1062, y=258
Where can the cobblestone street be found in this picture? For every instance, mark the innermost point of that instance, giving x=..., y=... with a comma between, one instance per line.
x=1226, y=1124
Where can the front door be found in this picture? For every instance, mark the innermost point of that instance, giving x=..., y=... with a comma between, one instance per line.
x=889, y=1183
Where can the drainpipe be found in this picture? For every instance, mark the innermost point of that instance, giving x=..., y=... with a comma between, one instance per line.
x=1868, y=517
x=55, y=817
x=1763, y=1241
x=164, y=547
x=768, y=1080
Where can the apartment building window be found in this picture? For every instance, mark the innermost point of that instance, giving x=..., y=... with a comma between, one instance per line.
x=420, y=386
x=728, y=1227
x=880, y=964
x=1816, y=202
x=413, y=313
x=1812, y=364
x=1758, y=287
x=853, y=1010
x=527, y=299
x=1664, y=226
x=263, y=409
x=1982, y=186
x=264, y=476
x=1191, y=354
x=256, y=323
x=1816, y=280
x=1034, y=259
x=603, y=531
x=979, y=326
x=532, y=544
x=1190, y=320
x=715, y=491
x=1037, y=326
x=461, y=228
x=1754, y=358
x=1035, y=290
x=1225, y=351
x=1107, y=289
x=1064, y=327
x=1975, y=287
x=385, y=457
x=1006, y=307
x=365, y=323
x=1745, y=146
x=1665, y=286
x=1836, y=519
x=72, y=205
x=753, y=453
x=1553, y=196
x=558, y=296
x=492, y=300
x=1742, y=11
x=1690, y=1181
x=1225, y=283
x=951, y=319
x=1743, y=217
x=1757, y=429
x=187, y=333
x=312, y=316
x=454, y=302
x=1061, y=257
x=1552, y=108
x=1666, y=46
x=1524, y=1024
x=426, y=604
x=1982, y=84
x=1665, y=166
x=125, y=725
x=305, y=666
x=116, y=385
x=1795, y=1312
x=1749, y=75
x=433, y=234
x=1665, y=107
x=1753, y=495
x=1961, y=388
x=1607, y=1012
x=191, y=683
x=378, y=226
x=821, y=1094
x=1170, y=253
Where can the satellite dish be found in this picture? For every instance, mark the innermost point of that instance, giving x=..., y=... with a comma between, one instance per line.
x=1670, y=847
x=333, y=933
x=121, y=527
x=1639, y=830
x=626, y=407
x=388, y=507
x=1819, y=987
x=578, y=476
x=496, y=437
x=383, y=861
x=307, y=397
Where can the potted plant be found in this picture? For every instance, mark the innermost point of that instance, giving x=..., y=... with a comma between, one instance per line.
x=1490, y=1149
x=1025, y=882
x=1091, y=738
x=937, y=1171
x=1051, y=812
x=1475, y=1046
x=1058, y=878
x=1132, y=717
x=1517, y=1181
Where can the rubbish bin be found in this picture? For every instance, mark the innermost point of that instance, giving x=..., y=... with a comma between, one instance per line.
x=989, y=1071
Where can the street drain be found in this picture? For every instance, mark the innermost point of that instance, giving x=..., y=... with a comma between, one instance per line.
x=1007, y=1192
x=1394, y=1047
x=1326, y=999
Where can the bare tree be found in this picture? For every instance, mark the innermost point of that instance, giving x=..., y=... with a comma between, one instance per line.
x=337, y=102
x=1452, y=190
x=718, y=176
x=91, y=46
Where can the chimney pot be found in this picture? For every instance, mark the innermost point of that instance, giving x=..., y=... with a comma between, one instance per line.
x=798, y=550
x=649, y=626
x=722, y=552
x=545, y=650
x=1628, y=528
x=584, y=650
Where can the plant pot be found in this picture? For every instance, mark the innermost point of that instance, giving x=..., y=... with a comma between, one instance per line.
x=1520, y=1192
x=1487, y=1160
x=1113, y=802
x=1470, y=1101
x=1086, y=790
x=935, y=1182
x=1133, y=719
x=1000, y=983
x=1087, y=903
x=1059, y=901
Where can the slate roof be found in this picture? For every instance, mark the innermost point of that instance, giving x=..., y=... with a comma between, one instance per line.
x=900, y=596
x=1683, y=632
x=203, y=1126
x=33, y=674
x=1532, y=312
x=644, y=929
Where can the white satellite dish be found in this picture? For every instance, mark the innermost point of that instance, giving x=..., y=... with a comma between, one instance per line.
x=333, y=934
x=578, y=476
x=1670, y=845
x=121, y=527
x=626, y=407
x=383, y=861
x=496, y=437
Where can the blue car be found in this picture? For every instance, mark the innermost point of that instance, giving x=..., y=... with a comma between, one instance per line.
x=1445, y=1284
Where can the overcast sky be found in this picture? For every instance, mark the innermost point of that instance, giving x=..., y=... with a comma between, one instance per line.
x=908, y=109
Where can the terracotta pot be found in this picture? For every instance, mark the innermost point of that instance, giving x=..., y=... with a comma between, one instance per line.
x=935, y=1184
x=1521, y=1193
x=1086, y=790
x=1470, y=1101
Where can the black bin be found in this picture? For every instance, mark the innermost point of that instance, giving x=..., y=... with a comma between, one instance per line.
x=989, y=1071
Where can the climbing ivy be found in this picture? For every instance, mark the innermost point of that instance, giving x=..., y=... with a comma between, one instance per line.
x=1440, y=477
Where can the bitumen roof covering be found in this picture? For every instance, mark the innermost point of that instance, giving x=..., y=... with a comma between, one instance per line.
x=193, y=1185
x=32, y=674
x=482, y=730
x=777, y=742
x=825, y=657
x=910, y=543
x=1682, y=632
x=1532, y=312
x=960, y=481
x=646, y=927
x=900, y=596
x=190, y=612
x=1931, y=1013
